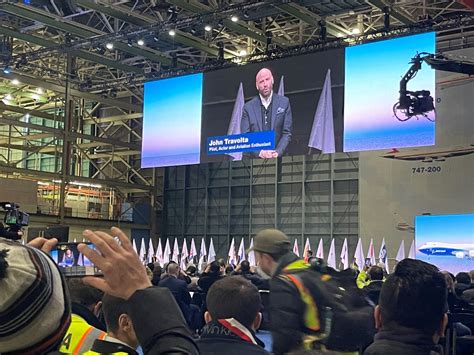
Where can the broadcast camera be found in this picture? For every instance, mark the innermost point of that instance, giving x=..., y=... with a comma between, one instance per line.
x=421, y=103
x=14, y=219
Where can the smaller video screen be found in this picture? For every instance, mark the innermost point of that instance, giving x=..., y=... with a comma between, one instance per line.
x=72, y=262
x=446, y=241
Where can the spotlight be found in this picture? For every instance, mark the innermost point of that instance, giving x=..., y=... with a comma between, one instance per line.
x=220, y=51
x=174, y=60
x=269, y=36
x=155, y=38
x=208, y=28
x=7, y=70
x=16, y=82
x=35, y=96
x=173, y=14
x=141, y=42
x=234, y=18
x=172, y=32
x=193, y=30
x=242, y=53
x=323, y=32
x=246, y=15
x=27, y=116
x=355, y=31
x=109, y=46
x=40, y=91
x=386, y=17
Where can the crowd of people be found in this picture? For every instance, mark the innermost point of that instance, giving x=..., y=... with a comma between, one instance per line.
x=307, y=306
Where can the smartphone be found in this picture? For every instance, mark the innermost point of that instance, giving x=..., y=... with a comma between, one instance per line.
x=367, y=262
x=73, y=263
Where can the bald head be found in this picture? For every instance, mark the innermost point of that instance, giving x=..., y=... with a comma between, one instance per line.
x=264, y=82
x=173, y=269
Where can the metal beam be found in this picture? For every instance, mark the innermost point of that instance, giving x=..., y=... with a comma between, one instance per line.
x=60, y=89
x=77, y=29
x=307, y=16
x=118, y=118
x=54, y=176
x=136, y=19
x=78, y=53
x=239, y=27
x=73, y=135
x=396, y=14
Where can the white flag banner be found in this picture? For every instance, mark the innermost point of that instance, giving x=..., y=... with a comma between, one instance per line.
x=134, y=246
x=401, y=251
x=295, y=248
x=371, y=252
x=159, y=252
x=307, y=248
x=192, y=250
x=143, y=251
x=281, y=87
x=151, y=251
x=184, y=256
x=345, y=255
x=175, y=256
x=212, y=252
x=167, y=252
x=322, y=133
x=202, y=255
x=236, y=118
x=383, y=257
x=359, y=255
x=241, y=252
x=412, y=251
x=232, y=258
x=252, y=260
x=320, y=251
x=332, y=255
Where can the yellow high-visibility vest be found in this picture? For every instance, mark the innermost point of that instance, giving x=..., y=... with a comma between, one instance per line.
x=80, y=336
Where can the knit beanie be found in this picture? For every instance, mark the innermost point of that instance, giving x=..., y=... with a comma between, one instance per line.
x=34, y=301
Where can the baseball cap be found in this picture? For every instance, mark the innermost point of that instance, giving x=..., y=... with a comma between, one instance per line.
x=35, y=310
x=271, y=241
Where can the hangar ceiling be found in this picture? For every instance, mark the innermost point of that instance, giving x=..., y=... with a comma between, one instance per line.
x=72, y=70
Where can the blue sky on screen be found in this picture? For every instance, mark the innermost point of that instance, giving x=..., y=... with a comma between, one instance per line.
x=372, y=84
x=172, y=121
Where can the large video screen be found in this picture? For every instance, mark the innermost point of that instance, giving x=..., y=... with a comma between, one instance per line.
x=373, y=117
x=446, y=241
x=172, y=122
x=315, y=103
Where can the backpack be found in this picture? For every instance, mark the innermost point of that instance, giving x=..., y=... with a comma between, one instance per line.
x=337, y=314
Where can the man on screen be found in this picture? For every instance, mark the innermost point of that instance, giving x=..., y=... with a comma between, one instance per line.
x=268, y=112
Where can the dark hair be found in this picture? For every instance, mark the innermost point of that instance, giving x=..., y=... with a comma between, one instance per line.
x=214, y=268
x=234, y=297
x=463, y=278
x=191, y=270
x=376, y=273
x=221, y=262
x=113, y=308
x=245, y=267
x=229, y=269
x=151, y=266
x=414, y=296
x=83, y=294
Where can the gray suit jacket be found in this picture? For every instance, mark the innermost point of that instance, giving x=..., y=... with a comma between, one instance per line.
x=281, y=118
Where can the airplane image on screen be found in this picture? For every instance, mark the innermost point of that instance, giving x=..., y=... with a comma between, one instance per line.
x=429, y=154
x=448, y=249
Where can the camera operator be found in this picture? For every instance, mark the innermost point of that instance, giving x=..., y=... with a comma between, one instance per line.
x=8, y=233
